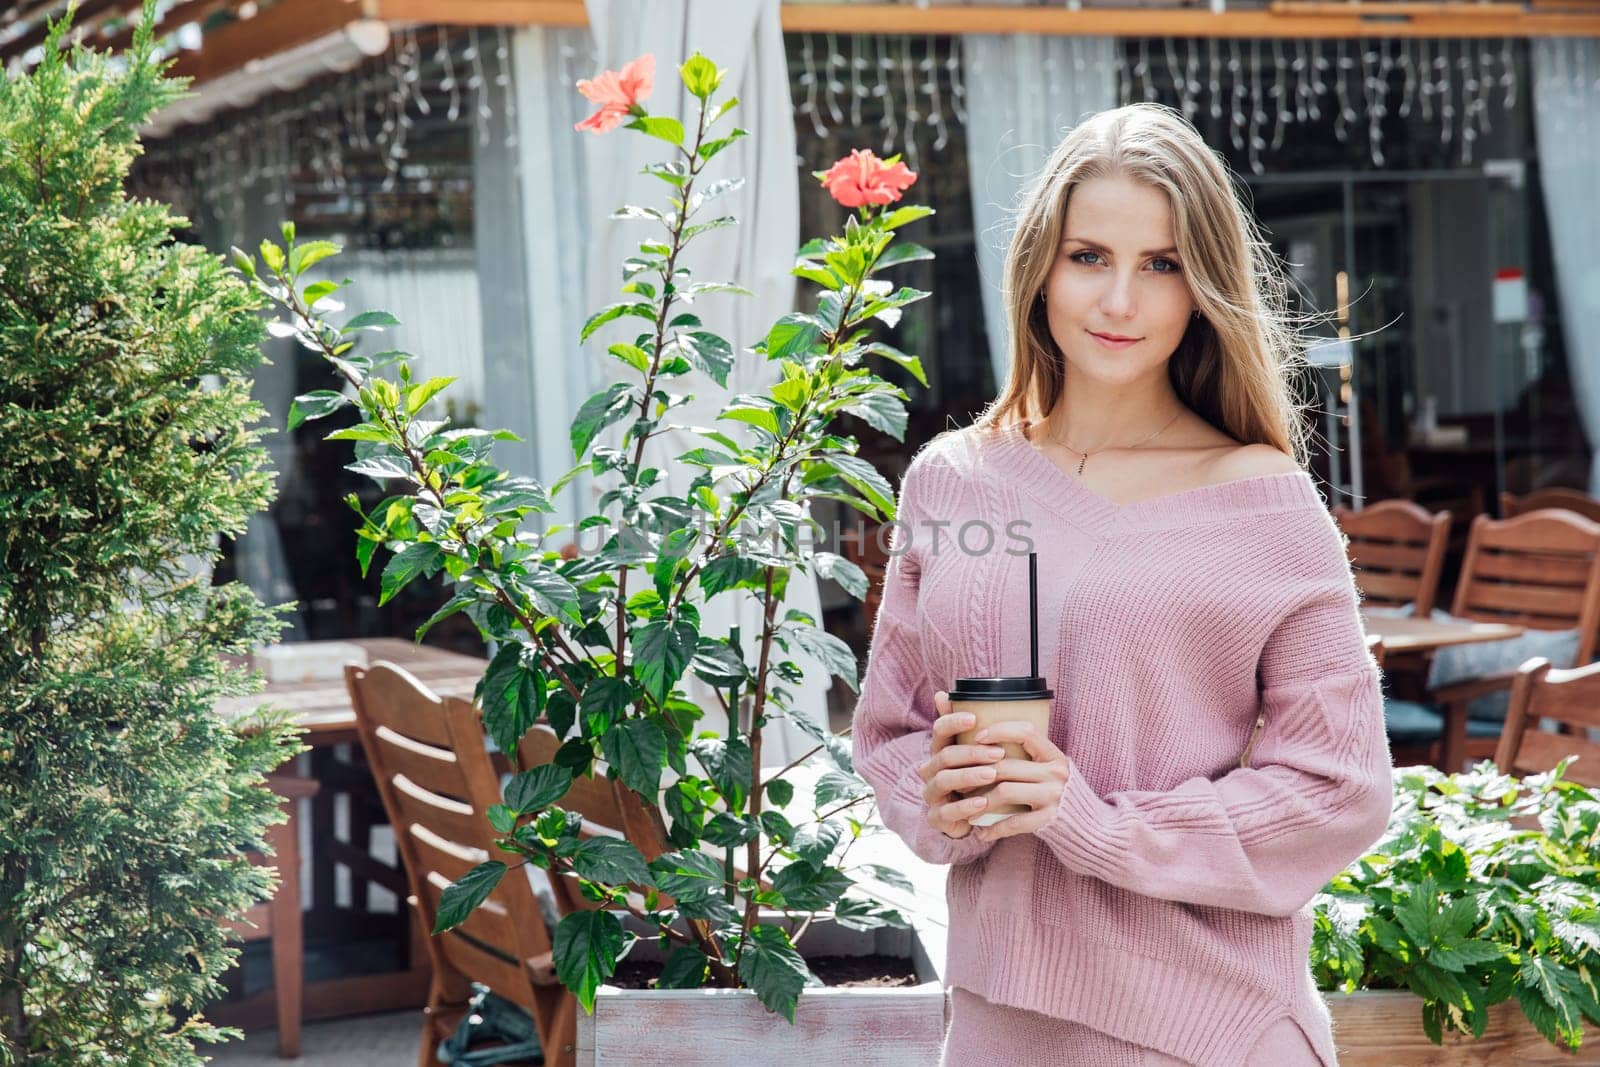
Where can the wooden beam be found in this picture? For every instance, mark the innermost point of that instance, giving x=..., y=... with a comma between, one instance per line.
x=177, y=17
x=1319, y=18
x=84, y=21
x=276, y=29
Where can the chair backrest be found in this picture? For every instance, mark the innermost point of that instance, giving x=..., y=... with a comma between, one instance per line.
x=1574, y=500
x=1571, y=697
x=434, y=774
x=1540, y=570
x=1397, y=552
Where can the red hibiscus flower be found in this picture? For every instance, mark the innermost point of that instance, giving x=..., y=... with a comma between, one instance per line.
x=862, y=178
x=617, y=93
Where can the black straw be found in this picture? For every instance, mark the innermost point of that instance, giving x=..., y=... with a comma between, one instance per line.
x=1033, y=614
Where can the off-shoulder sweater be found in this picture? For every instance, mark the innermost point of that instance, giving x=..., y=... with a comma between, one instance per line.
x=1166, y=902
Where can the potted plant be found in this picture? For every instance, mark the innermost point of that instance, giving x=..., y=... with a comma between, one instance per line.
x=723, y=868
x=1478, y=912
x=127, y=805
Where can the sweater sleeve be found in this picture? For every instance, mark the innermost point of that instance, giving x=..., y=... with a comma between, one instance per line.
x=1317, y=794
x=892, y=733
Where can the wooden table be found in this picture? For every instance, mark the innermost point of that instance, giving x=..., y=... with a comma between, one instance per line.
x=1405, y=634
x=323, y=708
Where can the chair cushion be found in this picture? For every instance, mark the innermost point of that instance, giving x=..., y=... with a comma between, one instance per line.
x=1413, y=722
x=1460, y=662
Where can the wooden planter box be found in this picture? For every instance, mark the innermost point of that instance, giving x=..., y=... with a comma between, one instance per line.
x=1382, y=1028
x=730, y=1028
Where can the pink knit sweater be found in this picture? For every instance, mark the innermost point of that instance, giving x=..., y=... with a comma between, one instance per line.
x=1166, y=903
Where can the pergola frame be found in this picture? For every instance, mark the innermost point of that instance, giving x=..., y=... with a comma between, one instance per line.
x=291, y=23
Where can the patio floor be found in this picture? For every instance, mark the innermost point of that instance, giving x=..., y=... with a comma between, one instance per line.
x=390, y=1040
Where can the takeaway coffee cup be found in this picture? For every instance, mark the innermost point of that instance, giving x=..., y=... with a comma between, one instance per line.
x=989, y=701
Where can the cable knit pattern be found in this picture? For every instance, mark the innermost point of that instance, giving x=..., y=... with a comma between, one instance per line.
x=1165, y=904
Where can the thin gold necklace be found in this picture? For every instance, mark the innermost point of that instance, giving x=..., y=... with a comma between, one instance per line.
x=1085, y=455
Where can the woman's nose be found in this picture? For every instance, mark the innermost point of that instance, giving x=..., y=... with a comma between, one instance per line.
x=1116, y=299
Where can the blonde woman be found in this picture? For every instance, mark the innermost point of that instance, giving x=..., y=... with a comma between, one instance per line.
x=1216, y=749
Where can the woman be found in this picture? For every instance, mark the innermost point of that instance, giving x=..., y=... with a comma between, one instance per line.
x=1216, y=748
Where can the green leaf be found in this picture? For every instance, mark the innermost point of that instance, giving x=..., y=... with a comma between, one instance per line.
x=454, y=605
x=882, y=410
x=830, y=651
x=815, y=842
x=305, y=256
x=662, y=650
x=771, y=967
x=711, y=354
x=420, y=394
x=903, y=252
x=780, y=792
x=808, y=888
x=586, y=947
x=272, y=256
x=315, y=405
x=661, y=127
x=728, y=763
x=462, y=896
x=537, y=788
x=902, y=216
x=791, y=336
x=711, y=148
x=632, y=355
x=612, y=861
x=637, y=748
x=604, y=700
x=410, y=562
x=684, y=969
x=837, y=785
x=511, y=694
x=370, y=320
x=894, y=355
x=611, y=312
x=700, y=76
x=847, y=574
x=687, y=874
x=599, y=411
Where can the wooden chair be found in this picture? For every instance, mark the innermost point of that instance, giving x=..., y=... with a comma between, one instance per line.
x=279, y=919
x=1397, y=552
x=1569, y=697
x=437, y=782
x=1540, y=570
x=1512, y=505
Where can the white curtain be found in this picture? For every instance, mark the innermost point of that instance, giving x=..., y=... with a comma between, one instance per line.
x=746, y=39
x=1024, y=93
x=1566, y=129
x=552, y=191
x=434, y=294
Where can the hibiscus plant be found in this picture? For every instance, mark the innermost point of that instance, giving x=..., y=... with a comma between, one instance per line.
x=722, y=861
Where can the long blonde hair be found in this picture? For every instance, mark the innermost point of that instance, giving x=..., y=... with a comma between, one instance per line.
x=1236, y=362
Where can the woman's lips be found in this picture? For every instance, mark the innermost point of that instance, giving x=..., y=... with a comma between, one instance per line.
x=1110, y=341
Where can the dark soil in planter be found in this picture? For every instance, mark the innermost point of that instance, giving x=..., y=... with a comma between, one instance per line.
x=867, y=972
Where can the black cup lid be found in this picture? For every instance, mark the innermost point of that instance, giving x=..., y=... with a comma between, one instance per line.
x=1015, y=687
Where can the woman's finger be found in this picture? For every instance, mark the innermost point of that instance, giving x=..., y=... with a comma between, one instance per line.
x=1033, y=742
x=1012, y=826
x=962, y=779
x=957, y=812
x=1022, y=770
x=1034, y=795
x=969, y=755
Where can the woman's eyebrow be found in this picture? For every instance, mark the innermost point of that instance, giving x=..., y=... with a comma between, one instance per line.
x=1102, y=248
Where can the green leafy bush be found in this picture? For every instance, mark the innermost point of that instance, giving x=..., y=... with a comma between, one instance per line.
x=126, y=804
x=598, y=645
x=1483, y=889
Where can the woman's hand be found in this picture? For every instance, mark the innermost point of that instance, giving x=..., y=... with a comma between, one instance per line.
x=954, y=768
x=1035, y=782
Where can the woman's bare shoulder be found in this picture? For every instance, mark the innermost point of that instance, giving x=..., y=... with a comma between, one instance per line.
x=1251, y=461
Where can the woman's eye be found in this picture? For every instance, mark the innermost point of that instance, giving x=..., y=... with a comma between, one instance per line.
x=1169, y=268
x=1078, y=257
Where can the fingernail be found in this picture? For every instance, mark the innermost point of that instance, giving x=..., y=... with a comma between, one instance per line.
x=986, y=774
x=983, y=735
x=994, y=753
x=978, y=802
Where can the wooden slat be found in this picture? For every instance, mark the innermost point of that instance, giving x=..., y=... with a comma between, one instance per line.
x=447, y=818
x=1554, y=608
x=489, y=923
x=1551, y=530
x=1388, y=555
x=1381, y=1029
x=1534, y=568
x=448, y=858
x=434, y=769
x=1539, y=751
x=279, y=28
x=1386, y=588
x=391, y=703
x=1457, y=20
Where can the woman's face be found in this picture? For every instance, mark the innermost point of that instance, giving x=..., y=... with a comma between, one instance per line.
x=1116, y=297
